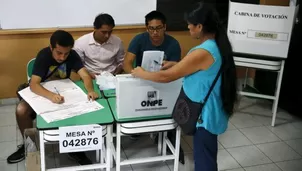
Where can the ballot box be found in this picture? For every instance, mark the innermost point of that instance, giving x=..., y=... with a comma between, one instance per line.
x=136, y=97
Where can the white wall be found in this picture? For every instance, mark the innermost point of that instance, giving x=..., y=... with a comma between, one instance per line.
x=24, y=14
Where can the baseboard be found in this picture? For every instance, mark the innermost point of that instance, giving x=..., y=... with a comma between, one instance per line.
x=9, y=101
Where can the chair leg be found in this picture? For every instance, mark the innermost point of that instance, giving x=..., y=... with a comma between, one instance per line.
x=42, y=150
x=177, y=148
x=164, y=152
x=108, y=147
x=159, y=143
x=118, y=147
x=112, y=148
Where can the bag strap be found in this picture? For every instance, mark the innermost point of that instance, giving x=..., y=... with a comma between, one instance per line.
x=53, y=71
x=212, y=86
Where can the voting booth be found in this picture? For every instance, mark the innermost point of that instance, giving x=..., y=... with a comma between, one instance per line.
x=260, y=29
x=141, y=98
x=260, y=36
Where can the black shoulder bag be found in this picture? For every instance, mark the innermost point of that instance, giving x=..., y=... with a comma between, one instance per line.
x=186, y=112
x=24, y=85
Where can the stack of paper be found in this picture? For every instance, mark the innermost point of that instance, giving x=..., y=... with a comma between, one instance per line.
x=152, y=60
x=75, y=101
x=106, y=81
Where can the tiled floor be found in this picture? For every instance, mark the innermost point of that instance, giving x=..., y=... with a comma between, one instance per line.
x=249, y=144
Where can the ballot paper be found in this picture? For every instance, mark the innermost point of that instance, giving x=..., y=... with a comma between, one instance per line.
x=106, y=81
x=152, y=60
x=75, y=101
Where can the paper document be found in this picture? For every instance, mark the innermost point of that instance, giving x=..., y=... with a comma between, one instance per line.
x=106, y=81
x=75, y=101
x=152, y=60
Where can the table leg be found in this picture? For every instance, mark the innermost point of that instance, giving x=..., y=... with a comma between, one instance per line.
x=118, y=147
x=97, y=156
x=277, y=93
x=104, y=151
x=42, y=150
x=177, y=147
x=164, y=143
x=160, y=143
x=112, y=148
x=245, y=78
x=108, y=147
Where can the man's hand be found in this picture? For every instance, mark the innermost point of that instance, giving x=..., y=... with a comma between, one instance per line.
x=56, y=98
x=92, y=95
x=118, y=70
x=85, y=76
x=167, y=64
x=138, y=72
x=128, y=62
x=93, y=75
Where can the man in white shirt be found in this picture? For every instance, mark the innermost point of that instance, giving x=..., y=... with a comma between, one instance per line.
x=100, y=50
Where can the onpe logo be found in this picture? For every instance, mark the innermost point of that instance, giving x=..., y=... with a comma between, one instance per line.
x=152, y=100
x=151, y=95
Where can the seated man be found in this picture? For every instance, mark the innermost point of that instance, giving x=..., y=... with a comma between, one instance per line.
x=53, y=62
x=154, y=39
x=99, y=50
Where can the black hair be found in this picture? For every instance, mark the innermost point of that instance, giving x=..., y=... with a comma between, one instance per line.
x=103, y=19
x=206, y=15
x=62, y=38
x=155, y=15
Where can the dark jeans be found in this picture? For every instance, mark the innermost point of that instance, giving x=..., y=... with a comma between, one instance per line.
x=205, y=150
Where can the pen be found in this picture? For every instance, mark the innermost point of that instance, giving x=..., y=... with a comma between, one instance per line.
x=156, y=62
x=57, y=91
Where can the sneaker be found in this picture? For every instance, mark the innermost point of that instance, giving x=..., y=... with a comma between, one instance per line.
x=17, y=156
x=80, y=157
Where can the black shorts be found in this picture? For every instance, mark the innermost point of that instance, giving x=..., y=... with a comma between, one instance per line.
x=33, y=115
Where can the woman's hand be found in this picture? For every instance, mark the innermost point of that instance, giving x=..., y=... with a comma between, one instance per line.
x=138, y=72
x=167, y=64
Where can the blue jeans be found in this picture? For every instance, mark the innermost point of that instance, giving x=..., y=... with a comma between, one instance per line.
x=205, y=150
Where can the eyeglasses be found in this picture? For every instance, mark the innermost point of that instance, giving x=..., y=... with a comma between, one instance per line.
x=153, y=29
